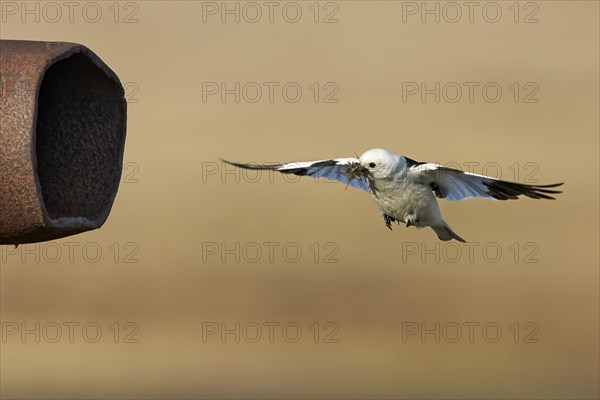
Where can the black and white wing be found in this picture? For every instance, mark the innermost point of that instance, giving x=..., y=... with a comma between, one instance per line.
x=337, y=169
x=453, y=184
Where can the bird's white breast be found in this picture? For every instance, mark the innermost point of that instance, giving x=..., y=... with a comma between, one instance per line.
x=399, y=199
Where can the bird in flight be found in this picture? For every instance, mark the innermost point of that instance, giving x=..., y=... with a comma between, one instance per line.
x=405, y=190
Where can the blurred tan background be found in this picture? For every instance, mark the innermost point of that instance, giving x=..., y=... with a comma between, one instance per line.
x=178, y=214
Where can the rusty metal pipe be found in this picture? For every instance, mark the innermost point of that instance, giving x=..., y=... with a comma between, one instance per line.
x=62, y=136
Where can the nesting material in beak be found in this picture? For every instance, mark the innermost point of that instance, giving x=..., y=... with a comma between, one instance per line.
x=356, y=170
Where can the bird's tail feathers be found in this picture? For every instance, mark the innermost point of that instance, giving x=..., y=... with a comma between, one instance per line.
x=446, y=233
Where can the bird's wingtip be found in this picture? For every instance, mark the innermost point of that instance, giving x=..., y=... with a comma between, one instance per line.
x=229, y=162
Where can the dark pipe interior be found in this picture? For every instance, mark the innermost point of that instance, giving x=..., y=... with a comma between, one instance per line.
x=79, y=137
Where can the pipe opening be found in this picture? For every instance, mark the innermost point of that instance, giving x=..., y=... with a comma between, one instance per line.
x=80, y=134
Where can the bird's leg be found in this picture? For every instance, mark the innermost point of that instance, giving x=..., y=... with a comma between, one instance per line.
x=411, y=220
x=388, y=221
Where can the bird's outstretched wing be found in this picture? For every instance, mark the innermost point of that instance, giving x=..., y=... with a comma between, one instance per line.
x=453, y=184
x=339, y=169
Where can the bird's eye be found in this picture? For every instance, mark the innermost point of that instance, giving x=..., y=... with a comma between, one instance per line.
x=372, y=165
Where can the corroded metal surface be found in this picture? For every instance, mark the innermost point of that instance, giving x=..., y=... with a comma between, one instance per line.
x=62, y=136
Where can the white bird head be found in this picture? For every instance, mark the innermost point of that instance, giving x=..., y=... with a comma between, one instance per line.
x=380, y=163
